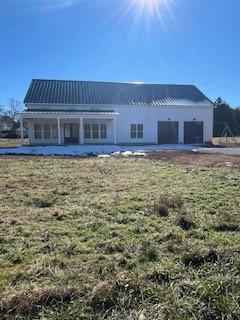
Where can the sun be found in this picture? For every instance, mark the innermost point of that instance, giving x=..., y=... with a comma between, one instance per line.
x=149, y=15
x=152, y=6
x=150, y=10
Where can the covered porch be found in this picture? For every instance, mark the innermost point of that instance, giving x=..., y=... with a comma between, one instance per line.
x=70, y=127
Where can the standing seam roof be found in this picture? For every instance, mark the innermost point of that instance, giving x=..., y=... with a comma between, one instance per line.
x=113, y=93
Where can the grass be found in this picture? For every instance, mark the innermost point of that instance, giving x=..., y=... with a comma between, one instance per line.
x=5, y=142
x=228, y=141
x=86, y=239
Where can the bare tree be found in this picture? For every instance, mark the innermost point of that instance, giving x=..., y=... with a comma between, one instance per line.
x=13, y=108
x=1, y=109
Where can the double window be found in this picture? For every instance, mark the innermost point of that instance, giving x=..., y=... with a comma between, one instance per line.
x=54, y=131
x=95, y=131
x=38, y=131
x=45, y=131
x=137, y=131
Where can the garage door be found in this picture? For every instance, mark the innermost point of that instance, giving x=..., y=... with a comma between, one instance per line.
x=193, y=132
x=167, y=132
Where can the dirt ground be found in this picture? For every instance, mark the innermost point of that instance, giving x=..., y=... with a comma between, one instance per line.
x=200, y=159
x=184, y=158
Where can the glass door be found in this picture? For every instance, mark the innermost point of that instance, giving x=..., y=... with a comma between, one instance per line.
x=71, y=133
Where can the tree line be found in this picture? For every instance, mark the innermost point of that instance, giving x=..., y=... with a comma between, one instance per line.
x=225, y=114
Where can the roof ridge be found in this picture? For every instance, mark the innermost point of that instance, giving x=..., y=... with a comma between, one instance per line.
x=117, y=82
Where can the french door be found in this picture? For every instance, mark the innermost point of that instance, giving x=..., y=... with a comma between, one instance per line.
x=71, y=133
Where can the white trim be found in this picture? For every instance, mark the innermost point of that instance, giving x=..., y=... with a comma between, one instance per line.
x=115, y=130
x=59, y=130
x=22, y=133
x=67, y=116
x=99, y=131
x=81, y=131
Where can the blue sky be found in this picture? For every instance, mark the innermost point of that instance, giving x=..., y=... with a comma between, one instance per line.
x=160, y=41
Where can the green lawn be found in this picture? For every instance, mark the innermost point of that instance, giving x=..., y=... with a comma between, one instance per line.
x=120, y=239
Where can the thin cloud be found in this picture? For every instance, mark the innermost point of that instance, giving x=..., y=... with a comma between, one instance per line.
x=53, y=5
x=23, y=6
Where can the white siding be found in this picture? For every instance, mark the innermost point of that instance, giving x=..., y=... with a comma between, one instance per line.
x=148, y=116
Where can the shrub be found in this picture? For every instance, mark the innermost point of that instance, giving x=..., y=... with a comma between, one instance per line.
x=186, y=223
x=166, y=202
x=161, y=210
x=171, y=201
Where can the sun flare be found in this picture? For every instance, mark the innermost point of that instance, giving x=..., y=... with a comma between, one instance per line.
x=152, y=6
x=150, y=10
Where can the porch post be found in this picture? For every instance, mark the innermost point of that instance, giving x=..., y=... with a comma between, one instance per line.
x=59, y=131
x=22, y=133
x=81, y=130
x=115, y=130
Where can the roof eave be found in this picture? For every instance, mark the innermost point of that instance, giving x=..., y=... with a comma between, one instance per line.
x=121, y=105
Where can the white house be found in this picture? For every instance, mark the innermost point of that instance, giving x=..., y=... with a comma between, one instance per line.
x=88, y=112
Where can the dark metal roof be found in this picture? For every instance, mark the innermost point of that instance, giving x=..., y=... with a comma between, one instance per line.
x=112, y=93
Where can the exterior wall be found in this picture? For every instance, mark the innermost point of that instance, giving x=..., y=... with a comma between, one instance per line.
x=31, y=135
x=148, y=116
x=110, y=132
x=33, y=141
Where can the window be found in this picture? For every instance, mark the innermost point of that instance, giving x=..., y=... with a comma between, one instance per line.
x=140, y=131
x=54, y=131
x=103, y=131
x=136, y=131
x=47, y=131
x=37, y=131
x=95, y=131
x=133, y=131
x=87, y=131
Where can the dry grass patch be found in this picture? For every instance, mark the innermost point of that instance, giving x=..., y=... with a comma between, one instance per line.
x=30, y=302
x=82, y=239
x=165, y=202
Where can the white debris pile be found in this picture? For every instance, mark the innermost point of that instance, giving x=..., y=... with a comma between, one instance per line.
x=104, y=156
x=126, y=153
x=139, y=154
